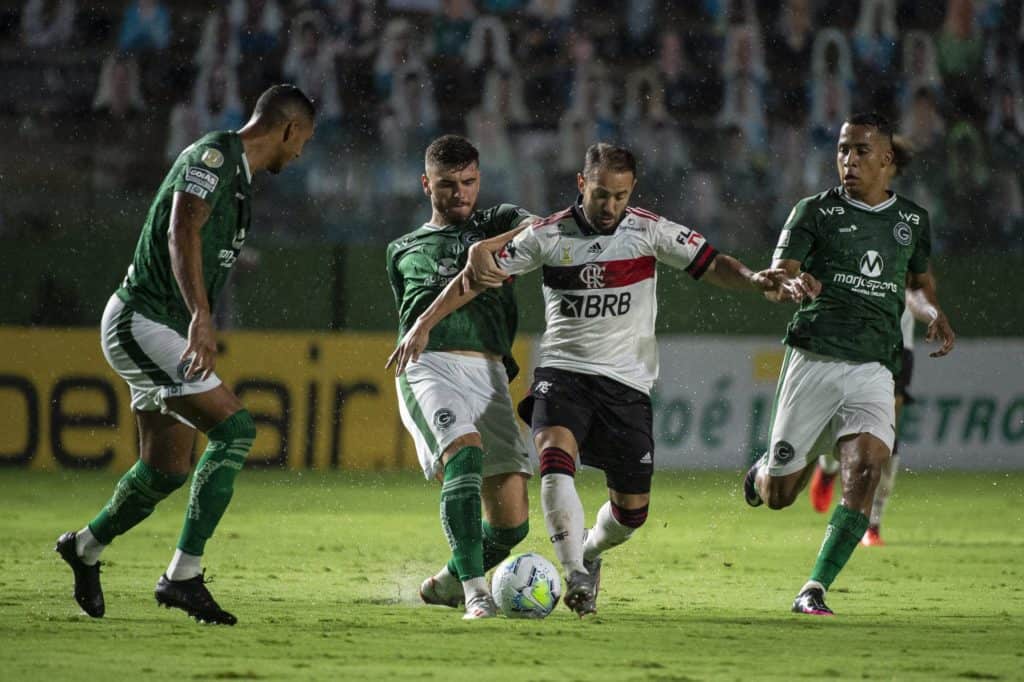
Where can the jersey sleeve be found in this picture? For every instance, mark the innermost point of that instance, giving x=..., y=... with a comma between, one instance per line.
x=204, y=172
x=922, y=249
x=682, y=247
x=507, y=217
x=797, y=236
x=397, y=287
x=522, y=254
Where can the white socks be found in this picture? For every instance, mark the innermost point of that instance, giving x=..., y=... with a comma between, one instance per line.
x=184, y=566
x=87, y=547
x=563, y=517
x=606, y=533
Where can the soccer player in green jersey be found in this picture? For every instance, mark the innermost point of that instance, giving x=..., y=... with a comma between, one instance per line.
x=866, y=247
x=455, y=400
x=157, y=333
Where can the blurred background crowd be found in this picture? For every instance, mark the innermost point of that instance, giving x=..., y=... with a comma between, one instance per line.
x=732, y=105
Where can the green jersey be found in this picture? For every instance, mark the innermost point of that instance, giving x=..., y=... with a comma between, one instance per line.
x=215, y=169
x=861, y=255
x=423, y=262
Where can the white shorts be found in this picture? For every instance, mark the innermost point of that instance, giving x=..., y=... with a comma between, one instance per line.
x=815, y=393
x=147, y=355
x=443, y=396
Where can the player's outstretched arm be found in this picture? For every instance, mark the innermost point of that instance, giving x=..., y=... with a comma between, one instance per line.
x=480, y=264
x=415, y=340
x=777, y=283
x=185, y=245
x=924, y=306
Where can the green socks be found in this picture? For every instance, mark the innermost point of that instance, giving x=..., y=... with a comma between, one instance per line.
x=214, y=480
x=498, y=544
x=135, y=496
x=845, y=529
x=461, y=514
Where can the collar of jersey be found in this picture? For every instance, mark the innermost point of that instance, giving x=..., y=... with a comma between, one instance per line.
x=580, y=217
x=867, y=207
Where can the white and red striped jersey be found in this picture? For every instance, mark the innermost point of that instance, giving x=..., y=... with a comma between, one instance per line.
x=600, y=290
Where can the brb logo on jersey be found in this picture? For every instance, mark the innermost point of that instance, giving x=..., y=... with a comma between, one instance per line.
x=871, y=264
x=592, y=276
x=596, y=305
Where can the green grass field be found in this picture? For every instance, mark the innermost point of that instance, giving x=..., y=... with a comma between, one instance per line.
x=323, y=569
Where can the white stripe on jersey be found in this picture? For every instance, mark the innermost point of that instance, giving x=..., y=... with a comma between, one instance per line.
x=600, y=300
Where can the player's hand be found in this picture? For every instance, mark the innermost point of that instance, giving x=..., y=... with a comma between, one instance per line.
x=481, y=268
x=412, y=344
x=940, y=329
x=200, y=355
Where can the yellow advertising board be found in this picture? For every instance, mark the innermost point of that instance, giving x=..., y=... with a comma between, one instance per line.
x=320, y=400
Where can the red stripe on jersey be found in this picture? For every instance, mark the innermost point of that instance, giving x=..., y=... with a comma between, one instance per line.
x=643, y=213
x=553, y=218
x=701, y=262
x=600, y=274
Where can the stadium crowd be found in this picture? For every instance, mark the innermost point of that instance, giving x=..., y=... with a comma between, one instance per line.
x=732, y=105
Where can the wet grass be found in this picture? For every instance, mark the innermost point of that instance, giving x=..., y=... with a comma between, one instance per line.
x=323, y=571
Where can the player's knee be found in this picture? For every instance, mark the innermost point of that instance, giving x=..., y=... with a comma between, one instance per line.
x=556, y=461
x=630, y=518
x=466, y=440
x=780, y=495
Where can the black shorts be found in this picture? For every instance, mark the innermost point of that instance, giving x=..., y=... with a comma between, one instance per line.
x=612, y=423
x=903, y=378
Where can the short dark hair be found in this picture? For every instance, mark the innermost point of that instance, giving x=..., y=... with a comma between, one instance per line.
x=451, y=152
x=873, y=120
x=608, y=157
x=279, y=103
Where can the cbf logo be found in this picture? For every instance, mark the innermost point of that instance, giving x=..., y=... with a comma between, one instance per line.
x=902, y=234
x=592, y=276
x=871, y=264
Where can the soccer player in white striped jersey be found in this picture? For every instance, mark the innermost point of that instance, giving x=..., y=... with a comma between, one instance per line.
x=590, y=400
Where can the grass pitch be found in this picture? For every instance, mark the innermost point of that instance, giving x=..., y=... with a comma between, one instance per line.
x=323, y=569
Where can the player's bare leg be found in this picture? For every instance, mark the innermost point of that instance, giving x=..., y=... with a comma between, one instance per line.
x=886, y=483
x=861, y=457
x=778, y=492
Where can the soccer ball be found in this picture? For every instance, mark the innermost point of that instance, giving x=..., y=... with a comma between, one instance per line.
x=526, y=586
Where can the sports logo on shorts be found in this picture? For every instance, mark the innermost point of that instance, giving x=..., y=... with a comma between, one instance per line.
x=592, y=276
x=902, y=234
x=871, y=264
x=783, y=452
x=444, y=418
x=542, y=387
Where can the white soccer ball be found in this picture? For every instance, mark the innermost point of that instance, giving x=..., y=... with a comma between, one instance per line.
x=526, y=586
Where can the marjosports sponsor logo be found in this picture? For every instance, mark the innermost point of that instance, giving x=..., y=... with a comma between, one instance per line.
x=863, y=285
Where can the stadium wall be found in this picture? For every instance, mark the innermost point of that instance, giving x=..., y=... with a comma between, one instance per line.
x=323, y=400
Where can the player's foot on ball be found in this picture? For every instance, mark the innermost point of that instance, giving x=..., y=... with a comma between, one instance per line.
x=822, y=486
x=750, y=493
x=581, y=593
x=873, y=537
x=88, y=592
x=192, y=597
x=480, y=606
x=442, y=590
x=812, y=602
